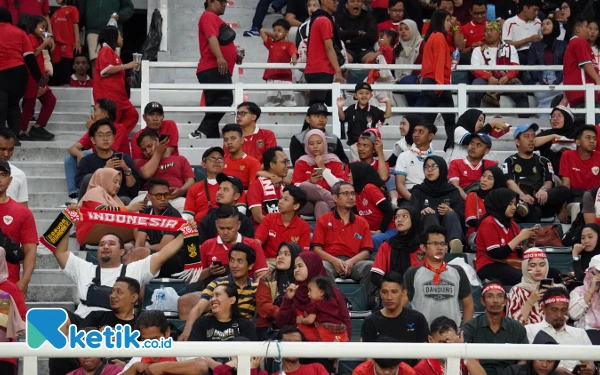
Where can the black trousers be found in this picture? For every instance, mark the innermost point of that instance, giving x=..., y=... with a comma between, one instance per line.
x=319, y=96
x=432, y=99
x=451, y=222
x=13, y=83
x=556, y=197
x=214, y=98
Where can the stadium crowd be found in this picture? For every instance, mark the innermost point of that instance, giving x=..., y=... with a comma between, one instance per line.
x=348, y=246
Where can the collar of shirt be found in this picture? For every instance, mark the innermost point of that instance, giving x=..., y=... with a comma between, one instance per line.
x=337, y=216
x=544, y=325
x=366, y=109
x=249, y=281
x=238, y=240
x=422, y=155
x=473, y=167
x=292, y=224
x=503, y=323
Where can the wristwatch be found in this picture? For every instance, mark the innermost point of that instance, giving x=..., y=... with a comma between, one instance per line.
x=576, y=258
x=127, y=173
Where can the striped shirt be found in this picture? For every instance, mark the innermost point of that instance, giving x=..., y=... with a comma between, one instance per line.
x=246, y=295
x=516, y=299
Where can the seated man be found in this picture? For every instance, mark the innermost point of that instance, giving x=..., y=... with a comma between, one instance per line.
x=175, y=169
x=453, y=37
x=228, y=194
x=473, y=32
x=463, y=173
x=256, y=140
x=102, y=136
x=154, y=117
x=396, y=13
x=435, y=288
x=495, y=52
x=241, y=259
x=104, y=108
x=531, y=176
x=370, y=150
x=202, y=196
x=383, y=365
x=285, y=225
x=343, y=239
x=358, y=30
x=493, y=327
x=292, y=365
x=153, y=325
x=123, y=298
x=238, y=164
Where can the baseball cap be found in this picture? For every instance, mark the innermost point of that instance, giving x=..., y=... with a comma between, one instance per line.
x=523, y=128
x=371, y=134
x=211, y=150
x=362, y=86
x=222, y=177
x=484, y=138
x=595, y=262
x=154, y=107
x=317, y=108
x=5, y=166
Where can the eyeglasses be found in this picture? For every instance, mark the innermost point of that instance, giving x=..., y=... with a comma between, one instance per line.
x=161, y=196
x=103, y=135
x=480, y=13
x=557, y=116
x=564, y=7
x=215, y=160
x=241, y=113
x=437, y=244
x=286, y=162
x=347, y=193
x=431, y=166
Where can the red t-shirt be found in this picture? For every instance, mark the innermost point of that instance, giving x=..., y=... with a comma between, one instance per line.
x=317, y=60
x=196, y=202
x=366, y=204
x=19, y=225
x=262, y=193
x=271, y=232
x=15, y=45
x=32, y=86
x=380, y=4
x=303, y=171
x=492, y=235
x=339, y=239
x=387, y=25
x=34, y=7
x=215, y=250
x=255, y=144
x=425, y=368
x=388, y=54
x=449, y=35
x=279, y=52
x=62, y=27
x=121, y=142
x=467, y=173
x=473, y=32
x=474, y=209
x=168, y=127
x=110, y=86
x=368, y=368
x=208, y=25
x=17, y=296
x=584, y=174
x=174, y=169
x=244, y=168
x=577, y=54
x=382, y=262
x=74, y=82
x=309, y=369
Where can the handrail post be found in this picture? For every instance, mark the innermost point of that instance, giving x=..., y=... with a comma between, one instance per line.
x=244, y=367
x=462, y=98
x=238, y=94
x=336, y=92
x=145, y=87
x=30, y=366
x=590, y=104
x=453, y=366
x=235, y=77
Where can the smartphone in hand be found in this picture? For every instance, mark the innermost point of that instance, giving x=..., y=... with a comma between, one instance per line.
x=163, y=137
x=118, y=155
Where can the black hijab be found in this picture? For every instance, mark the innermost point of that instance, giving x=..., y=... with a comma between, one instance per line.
x=440, y=187
x=469, y=119
x=5, y=16
x=413, y=120
x=548, y=40
x=404, y=244
x=285, y=278
x=568, y=128
x=499, y=181
x=362, y=174
x=496, y=203
x=586, y=256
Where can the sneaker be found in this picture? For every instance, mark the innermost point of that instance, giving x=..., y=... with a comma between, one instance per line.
x=42, y=130
x=252, y=32
x=24, y=137
x=456, y=246
x=37, y=135
x=197, y=134
x=275, y=9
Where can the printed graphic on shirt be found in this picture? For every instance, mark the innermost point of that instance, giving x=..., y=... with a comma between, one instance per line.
x=439, y=292
x=228, y=334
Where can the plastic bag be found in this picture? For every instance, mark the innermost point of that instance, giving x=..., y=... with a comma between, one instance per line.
x=151, y=45
x=471, y=274
x=164, y=299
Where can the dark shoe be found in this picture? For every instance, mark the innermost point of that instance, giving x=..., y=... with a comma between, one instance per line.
x=37, y=135
x=45, y=132
x=24, y=137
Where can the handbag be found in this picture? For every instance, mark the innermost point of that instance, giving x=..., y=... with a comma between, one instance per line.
x=14, y=253
x=548, y=236
x=226, y=35
x=98, y=294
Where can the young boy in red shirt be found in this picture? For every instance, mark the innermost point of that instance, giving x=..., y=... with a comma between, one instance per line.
x=65, y=24
x=238, y=164
x=81, y=66
x=280, y=51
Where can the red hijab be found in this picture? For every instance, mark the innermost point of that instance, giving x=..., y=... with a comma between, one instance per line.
x=314, y=266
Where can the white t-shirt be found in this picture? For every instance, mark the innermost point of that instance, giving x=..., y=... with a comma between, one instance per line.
x=410, y=165
x=83, y=272
x=515, y=29
x=459, y=151
x=18, y=187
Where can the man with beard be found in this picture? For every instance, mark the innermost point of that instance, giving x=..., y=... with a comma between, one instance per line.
x=530, y=176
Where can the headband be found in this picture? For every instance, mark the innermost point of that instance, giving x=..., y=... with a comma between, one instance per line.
x=557, y=299
x=534, y=255
x=494, y=26
x=493, y=287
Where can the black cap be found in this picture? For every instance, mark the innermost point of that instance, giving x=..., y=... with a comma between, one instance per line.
x=362, y=86
x=5, y=166
x=154, y=107
x=211, y=150
x=317, y=108
x=222, y=177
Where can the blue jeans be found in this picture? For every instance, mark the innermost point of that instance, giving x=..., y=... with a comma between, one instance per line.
x=262, y=8
x=380, y=237
x=71, y=170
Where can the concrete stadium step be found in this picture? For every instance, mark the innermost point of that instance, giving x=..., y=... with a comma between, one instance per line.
x=49, y=277
x=46, y=169
x=45, y=260
x=51, y=292
x=69, y=306
x=42, y=366
x=40, y=184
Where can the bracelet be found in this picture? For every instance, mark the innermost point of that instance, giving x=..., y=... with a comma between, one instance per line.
x=529, y=303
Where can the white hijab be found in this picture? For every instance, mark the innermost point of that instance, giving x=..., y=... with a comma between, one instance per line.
x=410, y=48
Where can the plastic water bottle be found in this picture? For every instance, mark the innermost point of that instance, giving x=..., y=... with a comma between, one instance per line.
x=455, y=59
x=112, y=21
x=4, y=303
x=160, y=298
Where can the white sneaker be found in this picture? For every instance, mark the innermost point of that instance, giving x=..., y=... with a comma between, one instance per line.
x=196, y=134
x=68, y=202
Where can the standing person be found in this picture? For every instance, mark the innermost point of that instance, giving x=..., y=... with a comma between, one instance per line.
x=523, y=29
x=411, y=52
x=217, y=58
x=109, y=76
x=16, y=51
x=324, y=58
x=436, y=69
x=65, y=23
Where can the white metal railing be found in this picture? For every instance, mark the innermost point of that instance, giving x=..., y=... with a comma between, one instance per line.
x=452, y=353
x=462, y=90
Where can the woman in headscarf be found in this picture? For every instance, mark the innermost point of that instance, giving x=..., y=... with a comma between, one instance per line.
x=584, y=306
x=316, y=172
x=525, y=299
x=492, y=178
x=440, y=201
x=411, y=52
x=403, y=250
x=271, y=287
x=102, y=195
x=548, y=51
x=498, y=238
x=584, y=251
x=563, y=126
x=371, y=203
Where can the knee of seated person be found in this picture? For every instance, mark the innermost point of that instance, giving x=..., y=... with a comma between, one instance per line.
x=187, y=302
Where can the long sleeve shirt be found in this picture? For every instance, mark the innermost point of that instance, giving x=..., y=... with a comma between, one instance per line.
x=436, y=59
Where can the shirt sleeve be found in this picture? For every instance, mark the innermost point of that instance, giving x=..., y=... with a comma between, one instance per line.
x=105, y=60
x=208, y=291
x=304, y=240
x=28, y=229
x=381, y=265
x=507, y=169
x=366, y=242
x=261, y=262
x=547, y=170
x=471, y=207
x=464, y=286
x=582, y=52
x=254, y=197
x=401, y=165
x=262, y=232
x=488, y=238
x=566, y=162
x=187, y=171
x=453, y=172
x=325, y=28
x=74, y=14
x=211, y=25
x=255, y=167
x=409, y=281
x=460, y=134
x=374, y=194
x=506, y=30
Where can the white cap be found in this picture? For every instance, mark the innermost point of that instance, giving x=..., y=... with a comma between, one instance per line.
x=595, y=262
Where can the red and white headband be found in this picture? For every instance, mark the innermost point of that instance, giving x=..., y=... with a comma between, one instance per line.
x=534, y=255
x=493, y=287
x=556, y=299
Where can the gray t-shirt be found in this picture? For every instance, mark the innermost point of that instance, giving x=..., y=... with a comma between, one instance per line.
x=438, y=300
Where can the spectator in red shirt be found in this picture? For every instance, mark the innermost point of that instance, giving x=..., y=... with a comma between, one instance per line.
x=473, y=31
x=396, y=13
x=27, y=8
x=109, y=76
x=465, y=173
x=215, y=66
x=453, y=36
x=292, y=366
x=202, y=196
x=380, y=366
x=369, y=147
x=81, y=78
x=238, y=163
x=256, y=140
x=65, y=24
x=17, y=52
x=264, y=193
x=154, y=117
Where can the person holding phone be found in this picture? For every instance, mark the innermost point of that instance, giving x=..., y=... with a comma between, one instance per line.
x=584, y=307
x=154, y=117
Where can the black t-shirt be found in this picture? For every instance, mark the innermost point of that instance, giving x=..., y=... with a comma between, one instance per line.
x=154, y=236
x=99, y=319
x=361, y=119
x=532, y=172
x=208, y=328
x=92, y=162
x=298, y=8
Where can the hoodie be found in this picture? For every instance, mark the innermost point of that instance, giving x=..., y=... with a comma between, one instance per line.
x=527, y=369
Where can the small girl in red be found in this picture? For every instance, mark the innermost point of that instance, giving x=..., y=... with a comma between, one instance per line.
x=324, y=311
x=65, y=25
x=38, y=132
